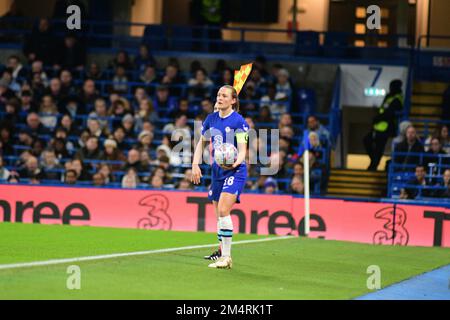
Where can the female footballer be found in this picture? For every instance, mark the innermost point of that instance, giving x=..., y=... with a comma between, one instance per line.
x=224, y=126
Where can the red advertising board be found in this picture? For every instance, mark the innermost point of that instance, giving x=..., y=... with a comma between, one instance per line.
x=368, y=222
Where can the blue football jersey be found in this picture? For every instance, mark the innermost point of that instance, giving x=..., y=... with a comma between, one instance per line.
x=223, y=130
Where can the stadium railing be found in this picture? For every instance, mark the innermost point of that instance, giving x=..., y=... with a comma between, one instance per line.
x=99, y=35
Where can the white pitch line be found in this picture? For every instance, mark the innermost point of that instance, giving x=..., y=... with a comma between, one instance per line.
x=128, y=254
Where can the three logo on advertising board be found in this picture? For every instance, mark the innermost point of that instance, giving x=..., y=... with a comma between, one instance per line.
x=157, y=214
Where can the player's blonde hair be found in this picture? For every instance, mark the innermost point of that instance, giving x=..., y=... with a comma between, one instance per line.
x=234, y=94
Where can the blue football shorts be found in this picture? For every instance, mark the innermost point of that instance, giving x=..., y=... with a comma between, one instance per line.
x=232, y=184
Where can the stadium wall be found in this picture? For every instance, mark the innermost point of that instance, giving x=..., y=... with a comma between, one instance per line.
x=366, y=222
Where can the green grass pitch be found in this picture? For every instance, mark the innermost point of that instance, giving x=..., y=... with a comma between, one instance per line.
x=297, y=268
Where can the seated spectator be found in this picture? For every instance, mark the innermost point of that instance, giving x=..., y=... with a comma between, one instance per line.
x=91, y=151
x=80, y=169
x=144, y=58
x=60, y=147
x=122, y=60
x=17, y=69
x=324, y=135
x=26, y=139
x=409, y=147
x=265, y=115
x=145, y=112
x=145, y=139
x=283, y=84
x=185, y=185
x=68, y=124
x=270, y=186
x=162, y=102
x=6, y=140
x=431, y=159
x=149, y=78
x=95, y=129
x=441, y=133
x=119, y=81
x=113, y=153
x=48, y=113
x=119, y=108
x=156, y=182
x=11, y=115
x=73, y=107
x=445, y=185
x=31, y=169
x=315, y=146
x=94, y=72
x=139, y=95
x=296, y=186
x=98, y=180
x=401, y=133
x=134, y=161
x=128, y=126
x=258, y=80
x=276, y=102
x=38, y=74
x=61, y=133
x=27, y=102
x=206, y=108
x=37, y=147
x=249, y=98
x=100, y=113
x=106, y=171
x=4, y=173
x=34, y=125
x=418, y=181
x=226, y=78
x=88, y=94
x=5, y=92
x=285, y=120
x=172, y=79
x=199, y=86
x=130, y=180
x=54, y=90
x=70, y=177
x=119, y=137
x=68, y=88
x=50, y=165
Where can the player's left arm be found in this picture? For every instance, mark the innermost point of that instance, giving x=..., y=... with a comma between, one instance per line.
x=242, y=152
x=241, y=139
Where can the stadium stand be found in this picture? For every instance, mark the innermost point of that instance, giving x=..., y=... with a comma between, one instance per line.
x=61, y=114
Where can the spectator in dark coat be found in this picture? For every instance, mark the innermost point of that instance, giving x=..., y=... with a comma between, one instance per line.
x=417, y=182
x=431, y=159
x=71, y=54
x=410, y=145
x=40, y=44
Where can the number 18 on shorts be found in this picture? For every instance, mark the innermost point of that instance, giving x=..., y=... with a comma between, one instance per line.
x=232, y=184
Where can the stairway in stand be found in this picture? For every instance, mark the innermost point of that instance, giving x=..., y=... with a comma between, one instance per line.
x=426, y=103
x=357, y=183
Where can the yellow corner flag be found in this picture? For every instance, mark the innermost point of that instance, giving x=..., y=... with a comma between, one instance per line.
x=241, y=76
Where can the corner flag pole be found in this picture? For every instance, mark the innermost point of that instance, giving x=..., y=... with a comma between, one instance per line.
x=307, y=146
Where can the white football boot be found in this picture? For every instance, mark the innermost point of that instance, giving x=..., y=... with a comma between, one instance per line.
x=222, y=263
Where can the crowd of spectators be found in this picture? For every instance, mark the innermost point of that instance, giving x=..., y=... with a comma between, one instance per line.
x=425, y=166
x=65, y=120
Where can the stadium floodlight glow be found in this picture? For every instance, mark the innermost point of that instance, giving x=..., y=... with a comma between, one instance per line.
x=374, y=92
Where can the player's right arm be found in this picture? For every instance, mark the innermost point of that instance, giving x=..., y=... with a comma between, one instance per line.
x=198, y=153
